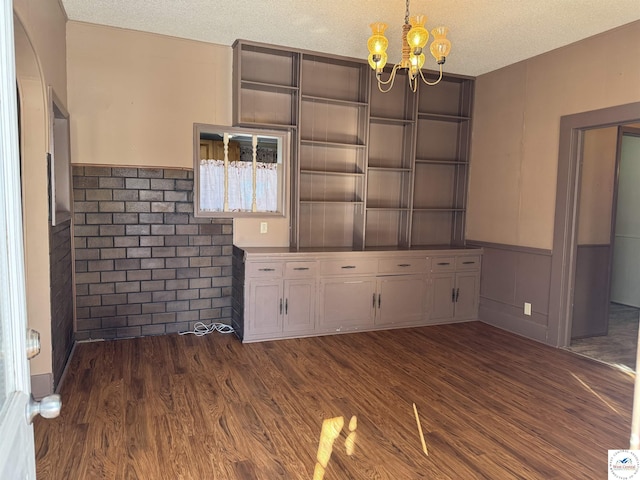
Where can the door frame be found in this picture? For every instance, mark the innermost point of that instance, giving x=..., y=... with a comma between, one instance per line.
x=17, y=450
x=563, y=257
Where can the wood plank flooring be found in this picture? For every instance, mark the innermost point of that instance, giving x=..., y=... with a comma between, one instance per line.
x=492, y=405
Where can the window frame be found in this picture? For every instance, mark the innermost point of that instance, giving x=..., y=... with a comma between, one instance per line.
x=284, y=137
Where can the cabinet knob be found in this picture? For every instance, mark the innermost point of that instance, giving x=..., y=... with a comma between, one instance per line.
x=443, y=263
x=404, y=265
x=348, y=266
x=468, y=262
x=266, y=269
x=301, y=268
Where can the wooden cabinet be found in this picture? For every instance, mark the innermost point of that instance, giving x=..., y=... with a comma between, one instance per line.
x=401, y=300
x=455, y=288
x=346, y=304
x=280, y=293
x=370, y=169
x=281, y=299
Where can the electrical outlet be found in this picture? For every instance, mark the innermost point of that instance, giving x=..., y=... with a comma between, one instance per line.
x=527, y=308
x=263, y=227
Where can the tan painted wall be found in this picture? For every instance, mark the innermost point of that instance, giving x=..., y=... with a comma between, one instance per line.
x=596, y=186
x=514, y=153
x=40, y=61
x=134, y=97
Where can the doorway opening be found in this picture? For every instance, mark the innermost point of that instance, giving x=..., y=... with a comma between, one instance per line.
x=583, y=250
x=607, y=281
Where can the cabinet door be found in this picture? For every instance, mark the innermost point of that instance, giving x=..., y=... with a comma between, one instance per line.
x=265, y=308
x=442, y=304
x=467, y=294
x=346, y=303
x=401, y=299
x=299, y=306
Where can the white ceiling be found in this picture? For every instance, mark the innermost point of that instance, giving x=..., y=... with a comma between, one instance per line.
x=486, y=34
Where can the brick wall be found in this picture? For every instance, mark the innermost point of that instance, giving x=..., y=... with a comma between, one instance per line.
x=61, y=296
x=144, y=264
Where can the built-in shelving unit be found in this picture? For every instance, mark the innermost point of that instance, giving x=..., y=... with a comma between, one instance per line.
x=370, y=169
x=442, y=162
x=390, y=165
x=266, y=86
x=333, y=149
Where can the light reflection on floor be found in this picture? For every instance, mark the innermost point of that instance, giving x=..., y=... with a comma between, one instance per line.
x=331, y=429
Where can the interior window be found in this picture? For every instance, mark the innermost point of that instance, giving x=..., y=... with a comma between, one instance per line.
x=239, y=171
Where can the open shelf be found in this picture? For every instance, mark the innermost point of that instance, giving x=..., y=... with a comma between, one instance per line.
x=267, y=65
x=333, y=101
x=371, y=169
x=397, y=103
x=386, y=228
x=329, y=157
x=388, y=189
x=439, y=186
x=331, y=122
x=390, y=145
x=328, y=78
x=322, y=225
x=319, y=187
x=443, y=118
x=439, y=140
x=452, y=97
x=439, y=227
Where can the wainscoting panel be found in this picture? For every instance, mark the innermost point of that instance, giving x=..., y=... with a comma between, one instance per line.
x=511, y=276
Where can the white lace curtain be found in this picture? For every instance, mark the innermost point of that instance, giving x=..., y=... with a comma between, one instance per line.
x=240, y=193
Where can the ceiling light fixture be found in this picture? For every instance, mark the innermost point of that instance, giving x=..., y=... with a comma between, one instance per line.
x=414, y=39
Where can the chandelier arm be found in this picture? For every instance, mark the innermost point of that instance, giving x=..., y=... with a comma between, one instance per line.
x=391, y=76
x=431, y=83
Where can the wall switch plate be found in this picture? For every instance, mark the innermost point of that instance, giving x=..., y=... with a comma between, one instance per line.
x=527, y=308
x=263, y=227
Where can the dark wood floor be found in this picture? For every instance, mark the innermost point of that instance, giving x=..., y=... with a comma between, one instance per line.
x=492, y=405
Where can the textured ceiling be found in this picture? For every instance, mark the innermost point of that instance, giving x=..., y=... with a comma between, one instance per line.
x=486, y=35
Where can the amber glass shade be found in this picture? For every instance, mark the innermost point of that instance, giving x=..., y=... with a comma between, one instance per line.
x=377, y=43
x=379, y=65
x=418, y=36
x=440, y=47
x=417, y=62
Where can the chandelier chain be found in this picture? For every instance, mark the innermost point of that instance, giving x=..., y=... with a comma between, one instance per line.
x=406, y=13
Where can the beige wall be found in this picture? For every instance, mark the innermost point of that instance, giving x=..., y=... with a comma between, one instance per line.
x=40, y=61
x=597, y=174
x=134, y=97
x=514, y=152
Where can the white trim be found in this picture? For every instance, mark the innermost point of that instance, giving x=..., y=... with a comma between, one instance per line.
x=17, y=459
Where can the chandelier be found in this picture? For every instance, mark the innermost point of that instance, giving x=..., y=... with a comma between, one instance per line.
x=414, y=39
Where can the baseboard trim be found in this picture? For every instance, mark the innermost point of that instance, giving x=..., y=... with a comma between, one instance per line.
x=511, y=319
x=66, y=367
